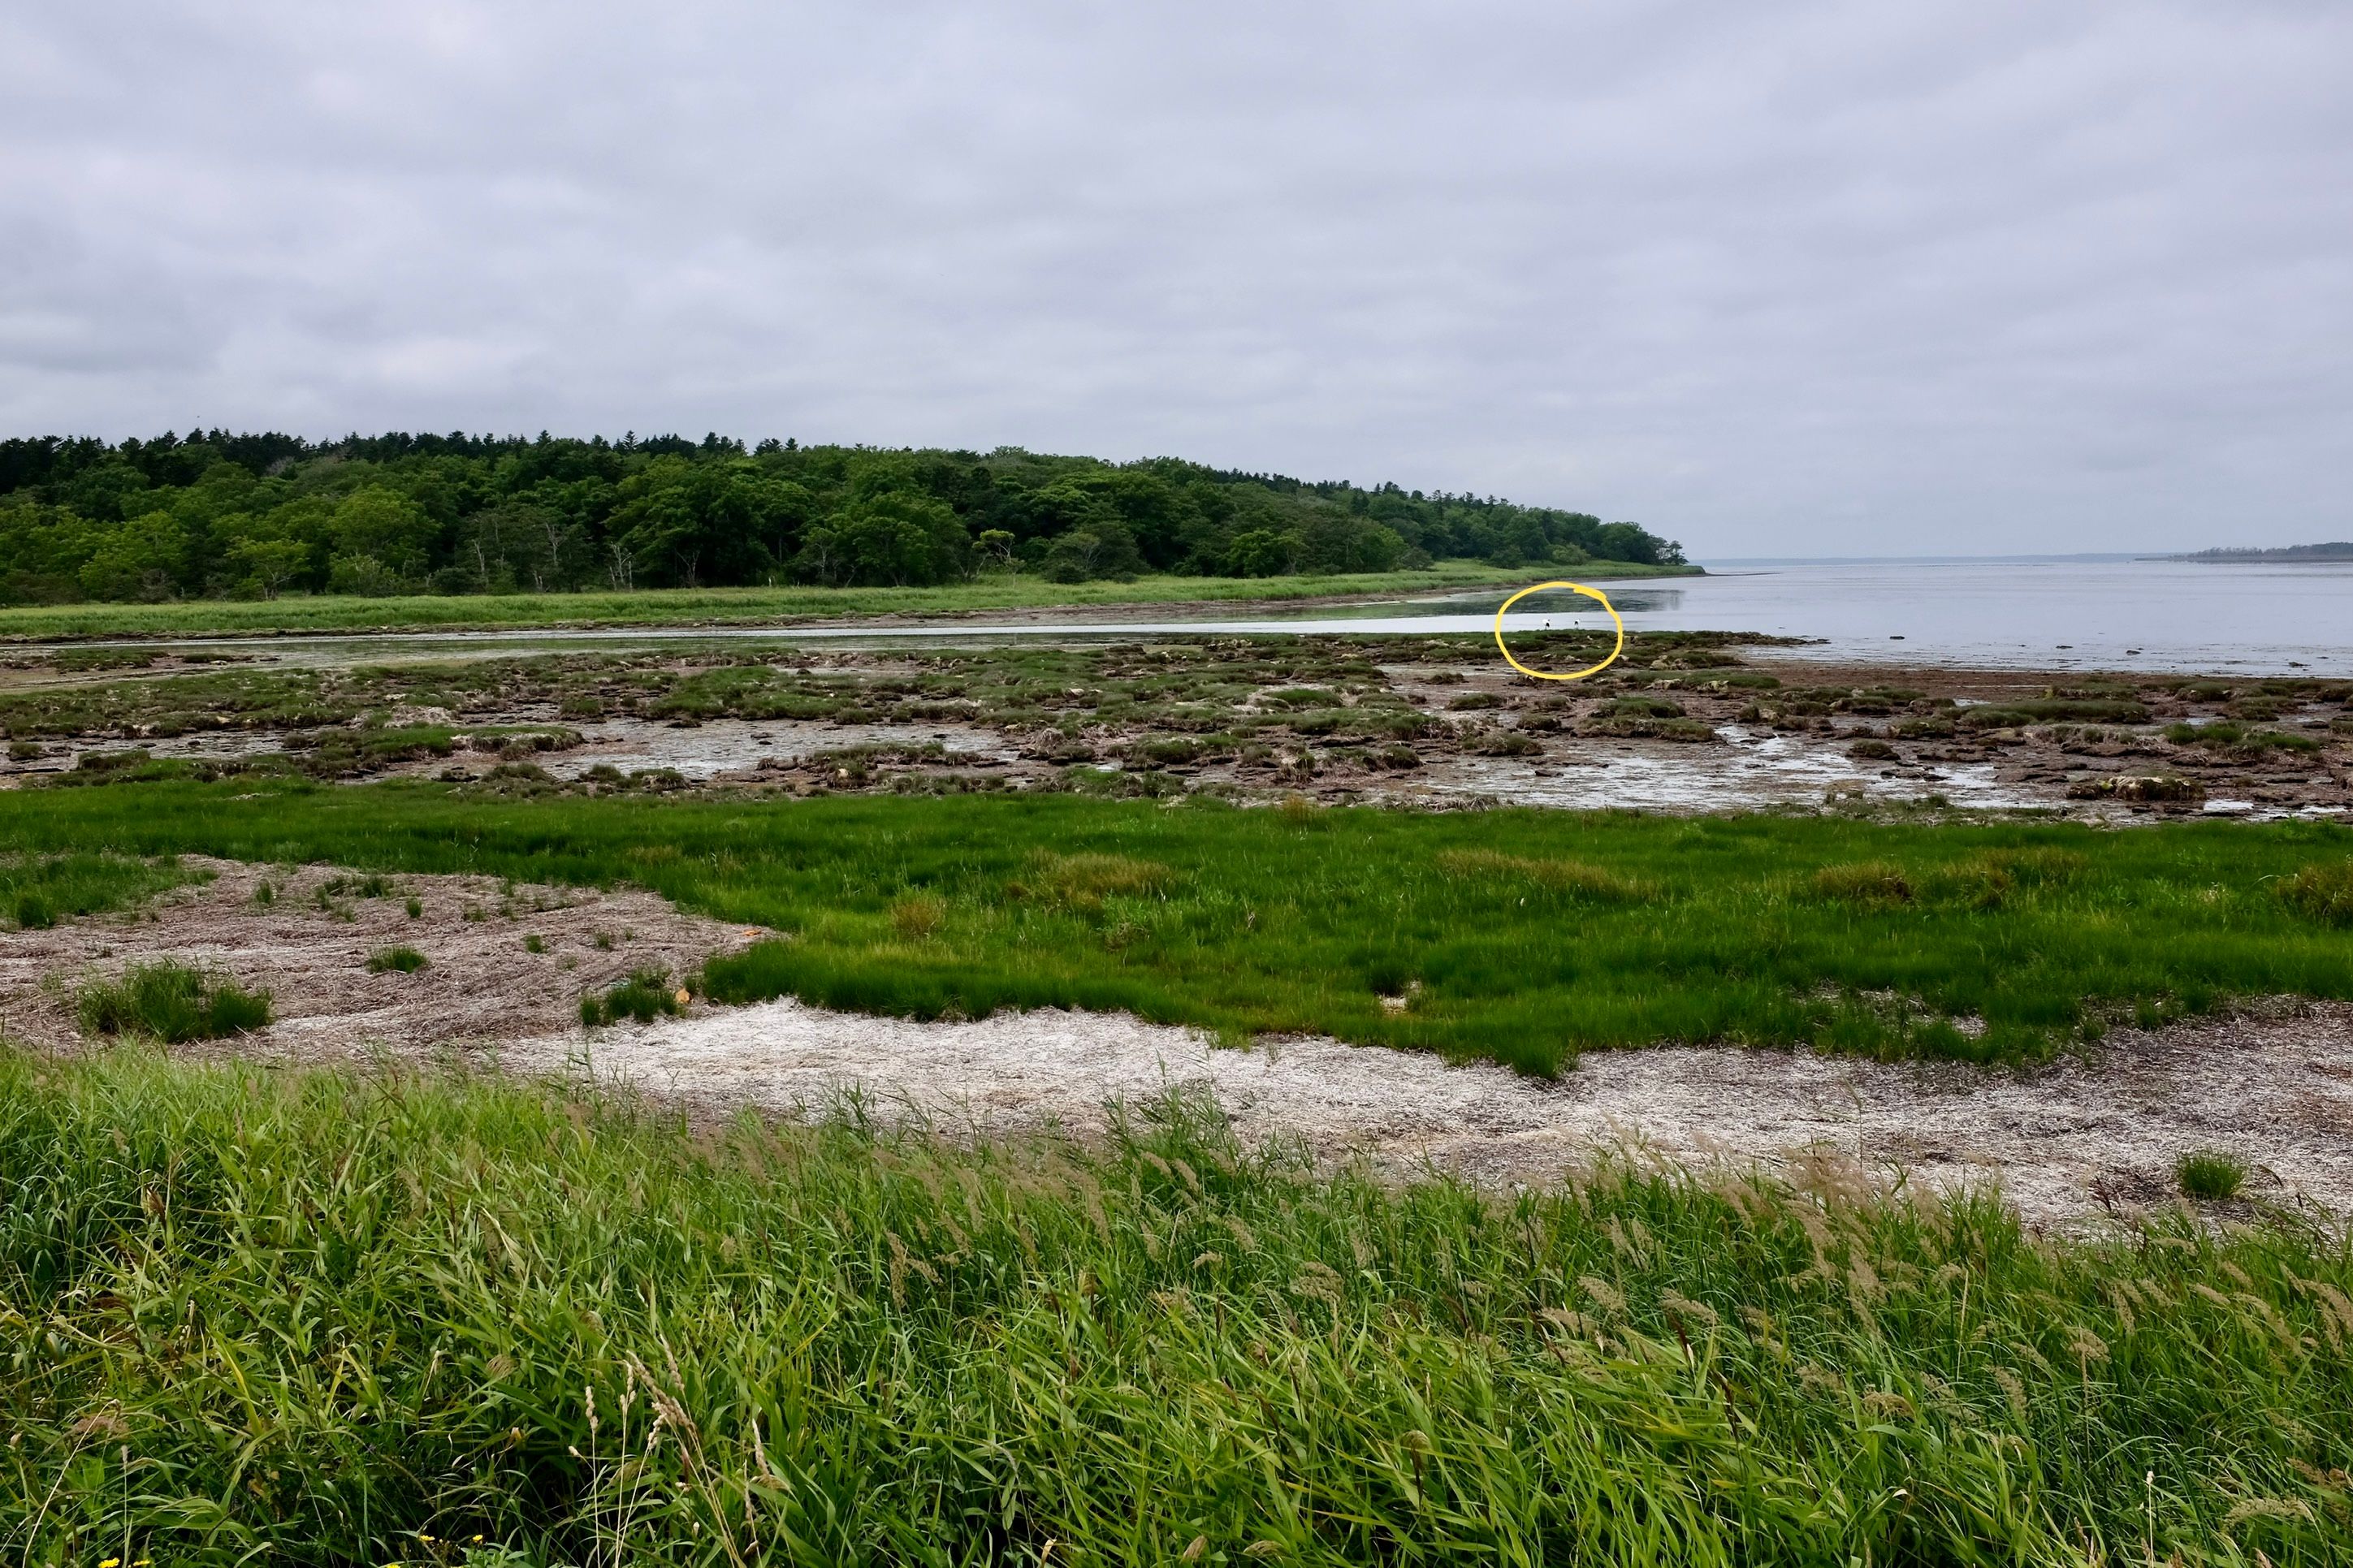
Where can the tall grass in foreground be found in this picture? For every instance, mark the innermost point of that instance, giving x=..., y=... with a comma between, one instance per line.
x=324, y=1319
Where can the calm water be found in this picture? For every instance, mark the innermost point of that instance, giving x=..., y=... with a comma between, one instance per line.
x=2125, y=615
x=2119, y=614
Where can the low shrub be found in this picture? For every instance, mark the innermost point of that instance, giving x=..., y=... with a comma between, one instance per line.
x=173, y=1003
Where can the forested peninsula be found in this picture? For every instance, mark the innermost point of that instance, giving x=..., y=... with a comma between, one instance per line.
x=2340, y=549
x=216, y=515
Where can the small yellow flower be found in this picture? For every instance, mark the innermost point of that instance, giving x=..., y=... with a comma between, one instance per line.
x=111, y=1563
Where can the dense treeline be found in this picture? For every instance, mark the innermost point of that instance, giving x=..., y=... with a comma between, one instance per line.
x=214, y=514
x=2340, y=550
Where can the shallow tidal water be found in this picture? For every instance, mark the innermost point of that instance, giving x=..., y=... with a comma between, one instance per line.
x=2131, y=616
x=2153, y=616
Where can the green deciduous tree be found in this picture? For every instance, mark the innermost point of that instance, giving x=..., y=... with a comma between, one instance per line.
x=138, y=559
x=890, y=539
x=381, y=524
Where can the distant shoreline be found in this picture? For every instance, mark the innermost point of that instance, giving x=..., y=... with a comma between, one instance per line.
x=2339, y=552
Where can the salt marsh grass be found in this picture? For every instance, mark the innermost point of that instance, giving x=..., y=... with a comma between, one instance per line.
x=689, y=607
x=645, y=995
x=36, y=890
x=321, y=1319
x=173, y=1003
x=2323, y=891
x=2211, y=1174
x=1571, y=877
x=1522, y=936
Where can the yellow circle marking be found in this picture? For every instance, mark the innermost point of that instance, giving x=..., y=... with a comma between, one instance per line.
x=1545, y=674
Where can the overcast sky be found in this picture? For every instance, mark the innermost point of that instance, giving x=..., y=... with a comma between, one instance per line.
x=1846, y=278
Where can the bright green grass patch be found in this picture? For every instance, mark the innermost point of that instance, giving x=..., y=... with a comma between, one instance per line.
x=729, y=607
x=313, y=1319
x=36, y=890
x=2211, y=1174
x=173, y=1003
x=1267, y=921
x=396, y=961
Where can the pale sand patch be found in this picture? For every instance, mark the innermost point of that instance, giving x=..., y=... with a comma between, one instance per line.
x=2081, y=1137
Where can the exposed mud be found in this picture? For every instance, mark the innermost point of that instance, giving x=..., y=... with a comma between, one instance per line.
x=308, y=946
x=1683, y=724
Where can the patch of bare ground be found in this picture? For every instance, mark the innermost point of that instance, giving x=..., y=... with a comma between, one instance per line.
x=2080, y=1138
x=504, y=962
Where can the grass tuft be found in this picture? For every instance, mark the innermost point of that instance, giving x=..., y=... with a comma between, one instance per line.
x=1874, y=884
x=2211, y=1175
x=173, y=1003
x=396, y=961
x=644, y=997
x=1084, y=881
x=918, y=918
x=1574, y=878
x=2322, y=891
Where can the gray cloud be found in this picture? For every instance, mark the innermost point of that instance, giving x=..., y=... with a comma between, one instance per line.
x=1838, y=276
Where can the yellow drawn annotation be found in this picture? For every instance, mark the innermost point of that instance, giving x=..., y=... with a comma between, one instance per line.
x=1545, y=674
